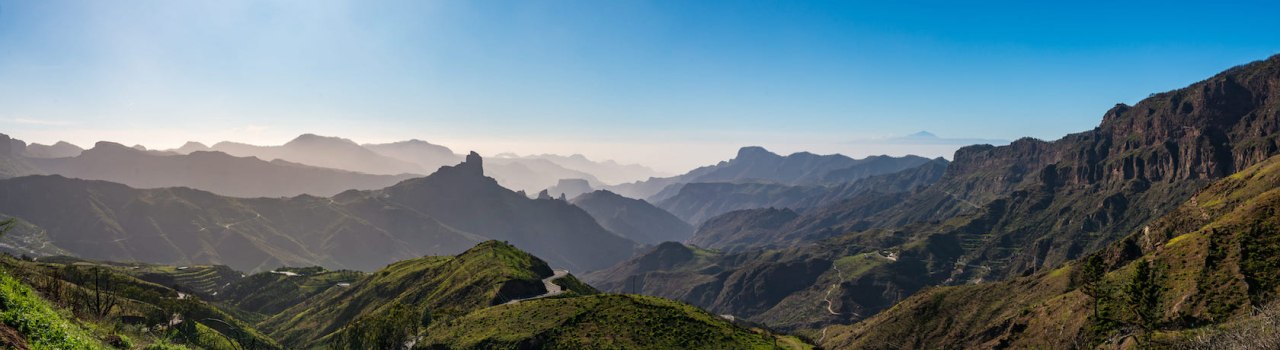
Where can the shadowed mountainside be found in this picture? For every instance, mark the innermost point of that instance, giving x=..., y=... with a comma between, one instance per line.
x=360, y=230
x=1012, y=210
x=633, y=218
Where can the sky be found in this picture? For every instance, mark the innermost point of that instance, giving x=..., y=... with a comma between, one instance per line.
x=669, y=84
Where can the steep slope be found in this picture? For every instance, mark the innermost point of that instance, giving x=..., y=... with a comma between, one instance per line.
x=1216, y=253
x=463, y=198
x=210, y=171
x=485, y=275
x=326, y=152
x=1021, y=207
x=633, y=218
x=817, y=214
x=60, y=149
x=697, y=202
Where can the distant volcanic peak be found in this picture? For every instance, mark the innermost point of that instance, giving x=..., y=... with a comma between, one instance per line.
x=923, y=135
x=753, y=152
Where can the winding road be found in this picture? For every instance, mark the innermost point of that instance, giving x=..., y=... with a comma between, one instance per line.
x=552, y=288
x=827, y=298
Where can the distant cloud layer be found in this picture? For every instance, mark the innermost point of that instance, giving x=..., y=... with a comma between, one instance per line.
x=927, y=138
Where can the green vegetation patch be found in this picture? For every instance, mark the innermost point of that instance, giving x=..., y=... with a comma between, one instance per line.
x=605, y=321
x=33, y=318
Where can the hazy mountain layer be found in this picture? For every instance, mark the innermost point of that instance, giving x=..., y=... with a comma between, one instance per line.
x=57, y=150
x=837, y=208
x=757, y=164
x=322, y=151
x=426, y=155
x=609, y=171
x=210, y=171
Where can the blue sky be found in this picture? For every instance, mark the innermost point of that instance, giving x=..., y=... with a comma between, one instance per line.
x=672, y=84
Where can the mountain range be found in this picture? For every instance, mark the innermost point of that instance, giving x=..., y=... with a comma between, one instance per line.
x=998, y=212
x=443, y=213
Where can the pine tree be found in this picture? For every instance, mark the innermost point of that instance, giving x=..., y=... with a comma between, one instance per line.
x=1142, y=296
x=1090, y=281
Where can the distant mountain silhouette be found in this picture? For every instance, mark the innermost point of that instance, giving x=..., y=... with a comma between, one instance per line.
x=189, y=147
x=633, y=218
x=756, y=164
x=210, y=171
x=426, y=155
x=57, y=150
x=608, y=171
x=322, y=151
x=570, y=188
x=533, y=175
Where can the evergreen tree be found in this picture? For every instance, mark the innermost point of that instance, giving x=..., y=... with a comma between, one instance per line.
x=1142, y=297
x=1090, y=281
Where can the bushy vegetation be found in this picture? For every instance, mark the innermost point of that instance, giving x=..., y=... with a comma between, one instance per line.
x=32, y=317
x=389, y=329
x=1259, y=329
x=485, y=275
x=602, y=321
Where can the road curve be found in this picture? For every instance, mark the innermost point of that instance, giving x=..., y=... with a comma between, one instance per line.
x=552, y=288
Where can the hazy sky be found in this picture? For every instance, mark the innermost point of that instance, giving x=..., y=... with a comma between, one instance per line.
x=671, y=84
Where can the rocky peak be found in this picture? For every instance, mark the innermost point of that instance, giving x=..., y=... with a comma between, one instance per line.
x=6, y=145
x=1115, y=112
x=473, y=164
x=754, y=153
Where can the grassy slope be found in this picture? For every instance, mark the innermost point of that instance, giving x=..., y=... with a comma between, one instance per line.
x=22, y=310
x=270, y=292
x=480, y=277
x=140, y=298
x=1217, y=254
x=603, y=321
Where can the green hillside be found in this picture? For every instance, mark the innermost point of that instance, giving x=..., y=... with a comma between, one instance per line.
x=1215, y=257
x=272, y=292
x=605, y=321
x=485, y=275
x=86, y=306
